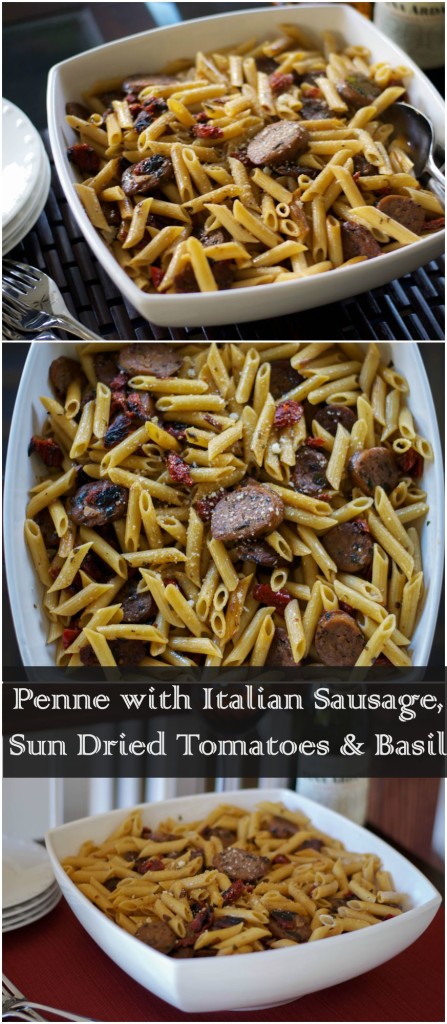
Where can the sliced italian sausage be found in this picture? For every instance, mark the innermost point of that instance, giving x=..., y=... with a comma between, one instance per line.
x=77, y=110
x=246, y=513
x=63, y=371
x=98, y=503
x=358, y=241
x=257, y=551
x=283, y=378
x=217, y=237
x=224, y=922
x=134, y=606
x=280, y=653
x=350, y=545
x=135, y=83
x=157, y=934
x=373, y=467
x=363, y=167
x=315, y=110
x=338, y=639
x=128, y=652
x=241, y=865
x=266, y=64
x=119, y=428
x=358, y=91
x=280, y=828
x=150, y=360
x=226, y=835
x=47, y=529
x=280, y=141
x=185, y=280
x=405, y=211
x=329, y=416
x=147, y=175
x=106, y=367
x=311, y=844
x=285, y=924
x=310, y=470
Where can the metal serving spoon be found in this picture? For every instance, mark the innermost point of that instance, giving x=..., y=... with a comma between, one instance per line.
x=417, y=130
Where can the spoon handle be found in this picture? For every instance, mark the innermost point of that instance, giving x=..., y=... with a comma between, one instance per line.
x=434, y=171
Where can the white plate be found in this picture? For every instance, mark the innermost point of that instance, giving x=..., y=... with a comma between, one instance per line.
x=29, y=906
x=26, y=871
x=21, y=160
x=258, y=979
x=150, y=51
x=35, y=915
x=27, y=218
x=25, y=590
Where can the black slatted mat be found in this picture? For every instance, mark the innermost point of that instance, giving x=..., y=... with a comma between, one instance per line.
x=409, y=308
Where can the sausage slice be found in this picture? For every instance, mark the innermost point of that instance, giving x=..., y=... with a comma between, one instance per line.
x=63, y=371
x=151, y=360
x=280, y=653
x=246, y=513
x=238, y=864
x=106, y=367
x=310, y=470
x=405, y=211
x=157, y=934
x=338, y=639
x=315, y=110
x=350, y=545
x=147, y=175
x=283, y=378
x=257, y=551
x=98, y=503
x=281, y=828
x=285, y=924
x=226, y=835
x=358, y=91
x=329, y=416
x=374, y=467
x=134, y=606
x=280, y=141
x=358, y=241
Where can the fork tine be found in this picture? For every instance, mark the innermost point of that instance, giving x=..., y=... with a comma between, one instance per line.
x=22, y=271
x=16, y=286
x=12, y=302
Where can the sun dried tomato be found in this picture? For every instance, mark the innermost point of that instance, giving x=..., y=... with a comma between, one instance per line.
x=278, y=598
x=313, y=92
x=314, y=442
x=346, y=608
x=48, y=449
x=411, y=463
x=382, y=660
x=207, y=131
x=136, y=109
x=205, y=506
x=69, y=636
x=202, y=118
x=178, y=470
x=157, y=275
x=234, y=891
x=280, y=82
x=177, y=429
x=434, y=225
x=85, y=157
x=241, y=154
x=151, y=864
x=287, y=413
x=118, y=402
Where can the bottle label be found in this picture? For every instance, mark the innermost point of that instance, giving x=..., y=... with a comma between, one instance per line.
x=417, y=28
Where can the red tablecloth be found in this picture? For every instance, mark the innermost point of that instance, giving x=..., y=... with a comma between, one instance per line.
x=55, y=961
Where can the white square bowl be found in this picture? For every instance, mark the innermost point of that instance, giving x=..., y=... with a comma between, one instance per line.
x=25, y=591
x=149, y=51
x=255, y=980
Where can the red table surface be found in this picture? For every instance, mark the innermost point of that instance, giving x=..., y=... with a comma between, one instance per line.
x=55, y=961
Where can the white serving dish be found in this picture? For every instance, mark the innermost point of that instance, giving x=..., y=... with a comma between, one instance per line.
x=150, y=51
x=259, y=979
x=24, y=588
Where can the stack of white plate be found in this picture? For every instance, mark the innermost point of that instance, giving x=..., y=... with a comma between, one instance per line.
x=26, y=175
x=29, y=887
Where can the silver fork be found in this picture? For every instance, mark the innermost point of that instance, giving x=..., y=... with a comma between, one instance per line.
x=33, y=302
x=14, y=1003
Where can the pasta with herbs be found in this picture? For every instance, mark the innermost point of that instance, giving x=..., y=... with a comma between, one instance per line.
x=252, y=504
x=236, y=881
x=270, y=161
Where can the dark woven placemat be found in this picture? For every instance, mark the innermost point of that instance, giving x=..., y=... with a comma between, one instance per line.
x=410, y=308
